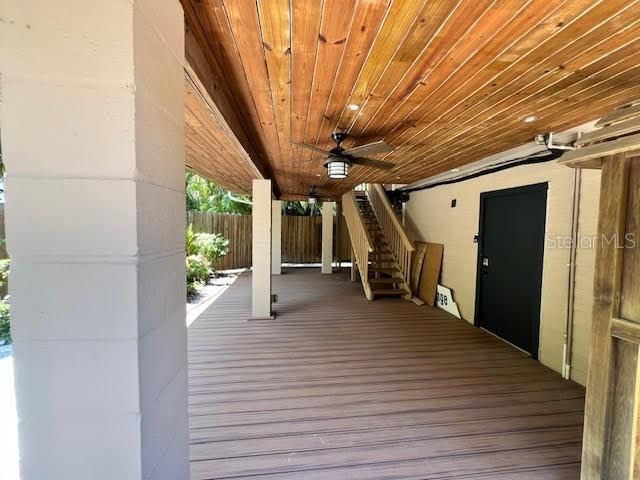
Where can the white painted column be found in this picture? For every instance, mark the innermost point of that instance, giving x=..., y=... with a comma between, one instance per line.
x=92, y=118
x=276, y=237
x=261, y=252
x=327, y=237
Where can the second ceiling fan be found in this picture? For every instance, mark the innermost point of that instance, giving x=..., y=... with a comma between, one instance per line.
x=340, y=160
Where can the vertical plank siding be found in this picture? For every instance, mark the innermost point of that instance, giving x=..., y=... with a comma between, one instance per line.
x=301, y=237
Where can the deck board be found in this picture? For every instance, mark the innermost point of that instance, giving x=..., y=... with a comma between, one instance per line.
x=337, y=387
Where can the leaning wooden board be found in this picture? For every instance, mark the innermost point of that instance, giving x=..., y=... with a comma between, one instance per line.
x=416, y=266
x=430, y=272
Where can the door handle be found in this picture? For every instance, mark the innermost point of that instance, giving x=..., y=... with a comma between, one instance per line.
x=485, y=265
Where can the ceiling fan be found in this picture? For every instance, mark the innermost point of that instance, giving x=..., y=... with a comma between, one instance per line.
x=313, y=196
x=340, y=160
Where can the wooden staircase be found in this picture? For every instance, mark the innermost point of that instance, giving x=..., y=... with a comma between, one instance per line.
x=382, y=262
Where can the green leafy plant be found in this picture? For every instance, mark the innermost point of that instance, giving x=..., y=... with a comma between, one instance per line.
x=211, y=246
x=300, y=208
x=198, y=272
x=205, y=196
x=5, y=325
x=190, y=241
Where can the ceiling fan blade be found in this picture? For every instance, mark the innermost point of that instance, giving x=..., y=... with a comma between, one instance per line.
x=370, y=162
x=370, y=149
x=311, y=147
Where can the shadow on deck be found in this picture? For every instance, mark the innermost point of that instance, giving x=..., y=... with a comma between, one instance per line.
x=338, y=387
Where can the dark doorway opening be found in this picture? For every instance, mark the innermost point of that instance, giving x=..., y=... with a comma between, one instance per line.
x=510, y=259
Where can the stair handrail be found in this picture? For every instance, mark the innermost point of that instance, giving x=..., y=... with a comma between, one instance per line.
x=361, y=241
x=399, y=242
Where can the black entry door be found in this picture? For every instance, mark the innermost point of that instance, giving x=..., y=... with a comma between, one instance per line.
x=510, y=255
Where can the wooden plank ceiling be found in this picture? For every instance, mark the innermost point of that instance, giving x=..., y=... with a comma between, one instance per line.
x=446, y=82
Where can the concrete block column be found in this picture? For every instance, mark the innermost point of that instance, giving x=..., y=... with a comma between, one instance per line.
x=261, y=250
x=276, y=237
x=327, y=237
x=92, y=121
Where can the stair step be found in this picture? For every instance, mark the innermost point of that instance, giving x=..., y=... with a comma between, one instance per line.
x=390, y=291
x=385, y=280
x=373, y=268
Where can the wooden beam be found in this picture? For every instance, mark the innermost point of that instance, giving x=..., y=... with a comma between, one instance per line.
x=612, y=131
x=212, y=79
x=610, y=442
x=624, y=413
x=595, y=152
x=222, y=126
x=625, y=330
x=620, y=115
x=608, y=273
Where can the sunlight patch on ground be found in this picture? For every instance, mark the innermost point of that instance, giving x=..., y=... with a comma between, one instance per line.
x=8, y=419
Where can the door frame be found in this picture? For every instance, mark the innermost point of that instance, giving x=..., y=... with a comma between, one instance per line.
x=543, y=186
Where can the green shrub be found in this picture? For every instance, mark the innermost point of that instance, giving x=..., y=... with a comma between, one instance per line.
x=190, y=241
x=203, y=249
x=212, y=246
x=5, y=327
x=192, y=289
x=198, y=272
x=197, y=269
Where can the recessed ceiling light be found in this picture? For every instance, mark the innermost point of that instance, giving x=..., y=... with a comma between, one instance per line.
x=354, y=107
x=530, y=119
x=318, y=174
x=455, y=169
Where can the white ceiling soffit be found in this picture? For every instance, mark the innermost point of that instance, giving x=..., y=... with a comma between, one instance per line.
x=504, y=158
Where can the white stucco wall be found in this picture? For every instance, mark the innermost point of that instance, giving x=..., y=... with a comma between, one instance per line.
x=261, y=249
x=92, y=133
x=431, y=218
x=327, y=237
x=276, y=237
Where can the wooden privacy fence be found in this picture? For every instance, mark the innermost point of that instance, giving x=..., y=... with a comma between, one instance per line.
x=235, y=228
x=301, y=237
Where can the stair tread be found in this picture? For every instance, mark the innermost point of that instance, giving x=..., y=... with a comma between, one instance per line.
x=390, y=291
x=385, y=280
x=384, y=270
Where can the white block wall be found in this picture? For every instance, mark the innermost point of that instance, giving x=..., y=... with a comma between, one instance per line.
x=276, y=237
x=327, y=237
x=92, y=135
x=261, y=250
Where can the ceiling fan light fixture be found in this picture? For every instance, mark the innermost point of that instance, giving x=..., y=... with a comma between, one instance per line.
x=313, y=196
x=337, y=168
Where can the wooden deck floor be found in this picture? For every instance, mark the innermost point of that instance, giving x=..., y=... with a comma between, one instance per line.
x=341, y=388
